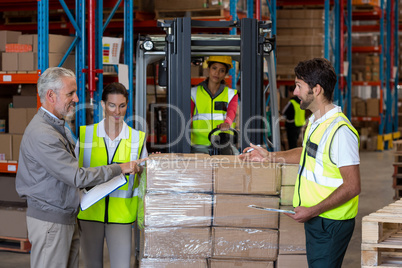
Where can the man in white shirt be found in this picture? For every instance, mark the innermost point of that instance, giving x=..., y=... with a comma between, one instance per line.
x=328, y=183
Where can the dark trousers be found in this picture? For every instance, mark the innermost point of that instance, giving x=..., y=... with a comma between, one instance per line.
x=327, y=241
x=293, y=134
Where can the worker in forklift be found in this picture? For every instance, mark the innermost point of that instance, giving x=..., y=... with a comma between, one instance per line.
x=213, y=104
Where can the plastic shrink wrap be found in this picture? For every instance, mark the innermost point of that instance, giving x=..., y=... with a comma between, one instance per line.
x=194, y=212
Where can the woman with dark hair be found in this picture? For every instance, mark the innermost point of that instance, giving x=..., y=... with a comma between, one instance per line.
x=213, y=104
x=112, y=217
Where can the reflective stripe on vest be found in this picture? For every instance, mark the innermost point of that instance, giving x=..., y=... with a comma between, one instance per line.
x=122, y=203
x=300, y=115
x=205, y=117
x=318, y=175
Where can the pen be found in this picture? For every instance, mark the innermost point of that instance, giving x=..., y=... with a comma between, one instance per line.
x=252, y=149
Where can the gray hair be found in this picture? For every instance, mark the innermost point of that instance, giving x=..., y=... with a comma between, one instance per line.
x=52, y=79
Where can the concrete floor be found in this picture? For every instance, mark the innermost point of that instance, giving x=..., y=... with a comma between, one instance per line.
x=376, y=175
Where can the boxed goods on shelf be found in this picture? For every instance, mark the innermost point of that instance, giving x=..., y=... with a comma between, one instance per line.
x=8, y=37
x=9, y=61
x=8, y=194
x=17, y=138
x=13, y=222
x=20, y=101
x=29, y=39
x=19, y=118
x=307, y=27
x=6, y=143
x=28, y=61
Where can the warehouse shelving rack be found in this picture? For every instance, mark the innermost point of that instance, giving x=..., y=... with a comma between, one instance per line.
x=387, y=14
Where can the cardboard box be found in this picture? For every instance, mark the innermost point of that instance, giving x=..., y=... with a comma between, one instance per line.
x=59, y=43
x=13, y=222
x=292, y=239
x=216, y=263
x=8, y=37
x=288, y=173
x=24, y=101
x=55, y=59
x=169, y=210
x=19, y=118
x=16, y=146
x=287, y=195
x=6, y=145
x=7, y=189
x=291, y=261
x=28, y=90
x=9, y=62
x=253, y=244
x=27, y=61
x=181, y=243
x=360, y=108
x=196, y=71
x=30, y=39
x=179, y=173
x=234, y=211
x=373, y=107
x=173, y=263
x=233, y=176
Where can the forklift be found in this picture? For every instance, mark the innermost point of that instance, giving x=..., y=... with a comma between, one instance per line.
x=175, y=52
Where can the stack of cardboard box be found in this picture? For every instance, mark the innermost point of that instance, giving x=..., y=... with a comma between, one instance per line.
x=177, y=211
x=300, y=36
x=366, y=68
x=197, y=213
x=28, y=61
x=292, y=242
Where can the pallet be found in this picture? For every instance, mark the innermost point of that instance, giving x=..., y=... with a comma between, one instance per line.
x=382, y=237
x=18, y=17
x=205, y=13
x=30, y=17
x=15, y=244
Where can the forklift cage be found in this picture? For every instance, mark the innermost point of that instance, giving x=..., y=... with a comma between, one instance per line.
x=179, y=46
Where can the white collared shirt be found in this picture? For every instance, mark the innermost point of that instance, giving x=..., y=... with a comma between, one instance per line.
x=52, y=115
x=345, y=146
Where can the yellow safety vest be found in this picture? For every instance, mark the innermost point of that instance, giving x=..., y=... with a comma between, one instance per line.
x=208, y=112
x=119, y=206
x=300, y=115
x=318, y=176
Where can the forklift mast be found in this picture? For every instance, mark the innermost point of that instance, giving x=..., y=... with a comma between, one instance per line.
x=179, y=46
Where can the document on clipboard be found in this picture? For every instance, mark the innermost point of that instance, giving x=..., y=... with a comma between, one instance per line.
x=88, y=198
x=272, y=209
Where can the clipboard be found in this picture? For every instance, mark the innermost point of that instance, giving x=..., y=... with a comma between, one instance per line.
x=272, y=209
x=88, y=198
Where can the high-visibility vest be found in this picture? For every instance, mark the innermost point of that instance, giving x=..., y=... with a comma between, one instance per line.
x=300, y=115
x=120, y=206
x=208, y=112
x=318, y=176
